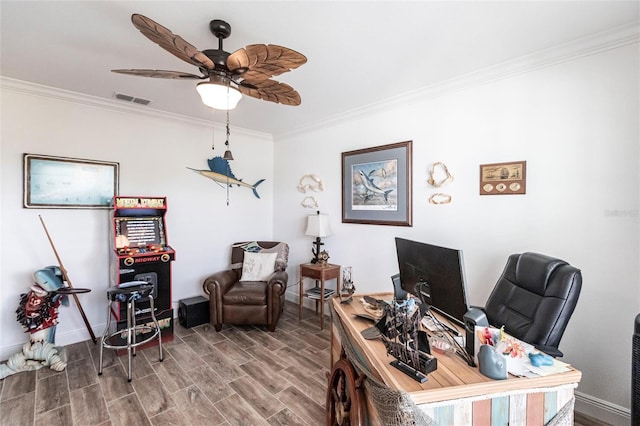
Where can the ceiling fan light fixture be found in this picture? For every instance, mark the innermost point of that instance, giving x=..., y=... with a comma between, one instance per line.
x=218, y=95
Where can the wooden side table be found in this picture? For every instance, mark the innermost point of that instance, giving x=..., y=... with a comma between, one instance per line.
x=318, y=273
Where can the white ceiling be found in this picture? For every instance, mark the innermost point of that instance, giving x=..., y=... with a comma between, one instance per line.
x=359, y=53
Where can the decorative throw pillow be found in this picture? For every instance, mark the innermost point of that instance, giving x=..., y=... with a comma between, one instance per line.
x=258, y=266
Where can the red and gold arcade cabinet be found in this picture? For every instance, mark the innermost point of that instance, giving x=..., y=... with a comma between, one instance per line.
x=141, y=253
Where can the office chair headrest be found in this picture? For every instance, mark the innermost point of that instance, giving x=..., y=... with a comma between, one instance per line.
x=534, y=270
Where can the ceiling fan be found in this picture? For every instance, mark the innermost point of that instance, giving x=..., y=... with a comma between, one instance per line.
x=246, y=71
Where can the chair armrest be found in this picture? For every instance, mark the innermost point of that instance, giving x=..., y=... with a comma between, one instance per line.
x=279, y=278
x=220, y=282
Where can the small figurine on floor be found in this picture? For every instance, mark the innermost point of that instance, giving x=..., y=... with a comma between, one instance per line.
x=38, y=315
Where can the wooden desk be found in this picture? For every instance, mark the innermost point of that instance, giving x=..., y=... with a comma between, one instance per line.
x=455, y=393
x=319, y=273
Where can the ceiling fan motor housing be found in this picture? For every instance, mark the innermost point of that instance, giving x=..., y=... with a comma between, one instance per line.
x=218, y=56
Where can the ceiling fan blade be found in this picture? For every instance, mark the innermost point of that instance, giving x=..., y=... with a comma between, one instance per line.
x=258, y=62
x=272, y=91
x=171, y=42
x=161, y=74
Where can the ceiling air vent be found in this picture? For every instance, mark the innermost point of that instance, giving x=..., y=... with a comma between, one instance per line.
x=127, y=98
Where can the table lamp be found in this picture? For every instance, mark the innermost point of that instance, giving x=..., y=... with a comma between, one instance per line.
x=317, y=226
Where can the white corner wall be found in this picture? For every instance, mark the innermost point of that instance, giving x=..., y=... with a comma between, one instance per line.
x=153, y=150
x=577, y=126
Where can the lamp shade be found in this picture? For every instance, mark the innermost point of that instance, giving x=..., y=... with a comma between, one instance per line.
x=318, y=225
x=218, y=95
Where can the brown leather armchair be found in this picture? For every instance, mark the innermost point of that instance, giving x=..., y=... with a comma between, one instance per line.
x=234, y=301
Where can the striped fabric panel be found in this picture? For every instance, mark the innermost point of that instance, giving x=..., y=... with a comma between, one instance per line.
x=532, y=409
x=564, y=396
x=443, y=415
x=518, y=410
x=482, y=412
x=463, y=413
x=535, y=409
x=550, y=405
x=500, y=411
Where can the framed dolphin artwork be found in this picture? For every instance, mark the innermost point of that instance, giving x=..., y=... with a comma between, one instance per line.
x=376, y=185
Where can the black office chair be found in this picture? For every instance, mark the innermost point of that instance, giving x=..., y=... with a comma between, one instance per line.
x=534, y=299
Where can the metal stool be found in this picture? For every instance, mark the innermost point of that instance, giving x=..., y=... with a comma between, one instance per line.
x=130, y=292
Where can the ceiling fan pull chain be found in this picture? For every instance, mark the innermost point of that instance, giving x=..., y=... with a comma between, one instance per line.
x=213, y=130
x=228, y=132
x=227, y=153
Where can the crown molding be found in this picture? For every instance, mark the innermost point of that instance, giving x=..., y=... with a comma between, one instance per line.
x=566, y=52
x=42, y=91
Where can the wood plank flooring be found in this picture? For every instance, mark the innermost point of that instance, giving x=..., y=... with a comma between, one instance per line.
x=240, y=376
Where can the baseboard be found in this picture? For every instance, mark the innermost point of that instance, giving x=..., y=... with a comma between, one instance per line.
x=602, y=410
x=62, y=339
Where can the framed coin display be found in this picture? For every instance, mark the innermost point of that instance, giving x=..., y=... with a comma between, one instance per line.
x=503, y=178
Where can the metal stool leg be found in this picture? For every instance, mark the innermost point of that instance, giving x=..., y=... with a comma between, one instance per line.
x=157, y=325
x=130, y=331
x=104, y=336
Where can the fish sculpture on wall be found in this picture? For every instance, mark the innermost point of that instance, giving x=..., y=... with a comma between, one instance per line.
x=220, y=172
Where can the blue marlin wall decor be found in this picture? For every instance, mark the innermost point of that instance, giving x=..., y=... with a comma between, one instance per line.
x=220, y=172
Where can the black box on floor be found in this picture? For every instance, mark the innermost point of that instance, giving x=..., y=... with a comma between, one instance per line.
x=193, y=311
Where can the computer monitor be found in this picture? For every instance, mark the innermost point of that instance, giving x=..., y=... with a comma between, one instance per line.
x=438, y=272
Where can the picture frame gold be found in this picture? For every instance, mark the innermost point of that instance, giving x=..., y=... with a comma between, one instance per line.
x=68, y=183
x=503, y=178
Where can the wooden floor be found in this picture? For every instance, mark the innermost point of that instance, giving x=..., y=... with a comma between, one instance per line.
x=240, y=376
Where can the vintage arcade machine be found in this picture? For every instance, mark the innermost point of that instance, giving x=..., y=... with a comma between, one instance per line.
x=141, y=253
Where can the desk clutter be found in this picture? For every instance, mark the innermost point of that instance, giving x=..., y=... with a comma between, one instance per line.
x=398, y=325
x=496, y=355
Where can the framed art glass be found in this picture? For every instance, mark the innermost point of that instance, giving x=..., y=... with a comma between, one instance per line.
x=376, y=185
x=70, y=183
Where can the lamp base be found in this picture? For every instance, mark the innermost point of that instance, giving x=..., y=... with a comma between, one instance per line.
x=316, y=252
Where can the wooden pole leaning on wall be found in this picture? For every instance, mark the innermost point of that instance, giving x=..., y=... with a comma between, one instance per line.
x=65, y=276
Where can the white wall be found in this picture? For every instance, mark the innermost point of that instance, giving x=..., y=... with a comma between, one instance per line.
x=575, y=123
x=153, y=151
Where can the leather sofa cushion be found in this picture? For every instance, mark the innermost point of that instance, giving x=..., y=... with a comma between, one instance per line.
x=246, y=293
